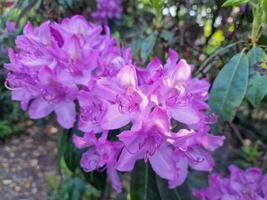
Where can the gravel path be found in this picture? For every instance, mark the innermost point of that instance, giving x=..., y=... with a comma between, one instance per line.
x=25, y=162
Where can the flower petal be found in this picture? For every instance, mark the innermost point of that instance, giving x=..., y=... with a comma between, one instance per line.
x=162, y=163
x=127, y=76
x=211, y=142
x=40, y=108
x=114, y=119
x=80, y=142
x=182, y=73
x=66, y=114
x=199, y=159
x=185, y=114
x=127, y=160
x=114, y=178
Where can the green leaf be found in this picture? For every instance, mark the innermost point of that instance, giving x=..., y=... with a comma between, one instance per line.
x=148, y=45
x=67, y=151
x=264, y=16
x=167, y=35
x=96, y=179
x=157, y=4
x=230, y=86
x=78, y=188
x=255, y=55
x=179, y=193
x=143, y=185
x=234, y=2
x=257, y=87
x=5, y=129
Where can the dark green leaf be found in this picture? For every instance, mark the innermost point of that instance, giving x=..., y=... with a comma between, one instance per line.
x=234, y=2
x=96, y=179
x=67, y=151
x=257, y=87
x=179, y=193
x=167, y=35
x=5, y=129
x=229, y=88
x=148, y=45
x=143, y=183
x=78, y=187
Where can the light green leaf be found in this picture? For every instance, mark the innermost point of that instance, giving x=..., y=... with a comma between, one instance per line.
x=148, y=45
x=234, y=2
x=230, y=86
x=264, y=16
x=257, y=87
x=157, y=4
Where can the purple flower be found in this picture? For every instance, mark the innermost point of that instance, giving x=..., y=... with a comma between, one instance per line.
x=100, y=153
x=53, y=60
x=107, y=9
x=10, y=26
x=246, y=185
x=56, y=65
x=125, y=100
x=170, y=154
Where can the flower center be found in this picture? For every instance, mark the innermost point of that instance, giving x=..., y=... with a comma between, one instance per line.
x=129, y=102
x=92, y=113
x=151, y=143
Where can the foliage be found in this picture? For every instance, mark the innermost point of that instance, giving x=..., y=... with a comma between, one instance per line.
x=225, y=40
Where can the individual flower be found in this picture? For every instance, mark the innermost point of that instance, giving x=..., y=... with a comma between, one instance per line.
x=10, y=26
x=125, y=99
x=246, y=184
x=107, y=9
x=172, y=87
x=100, y=153
x=170, y=154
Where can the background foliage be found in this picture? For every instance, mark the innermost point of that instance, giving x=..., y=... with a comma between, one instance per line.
x=225, y=40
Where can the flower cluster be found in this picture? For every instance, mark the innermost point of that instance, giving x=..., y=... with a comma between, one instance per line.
x=53, y=61
x=163, y=107
x=241, y=185
x=107, y=9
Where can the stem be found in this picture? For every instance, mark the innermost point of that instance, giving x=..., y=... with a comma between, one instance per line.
x=252, y=4
x=256, y=25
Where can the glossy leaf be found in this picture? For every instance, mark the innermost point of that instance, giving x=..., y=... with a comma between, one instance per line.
x=146, y=185
x=67, y=151
x=96, y=179
x=143, y=184
x=257, y=87
x=230, y=86
x=179, y=193
x=234, y=2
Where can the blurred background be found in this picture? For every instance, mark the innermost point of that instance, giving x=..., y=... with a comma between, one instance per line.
x=202, y=31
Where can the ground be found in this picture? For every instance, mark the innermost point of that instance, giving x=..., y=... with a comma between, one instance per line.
x=26, y=160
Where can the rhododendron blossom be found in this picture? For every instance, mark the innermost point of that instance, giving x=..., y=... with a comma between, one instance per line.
x=249, y=184
x=51, y=61
x=107, y=9
x=56, y=65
